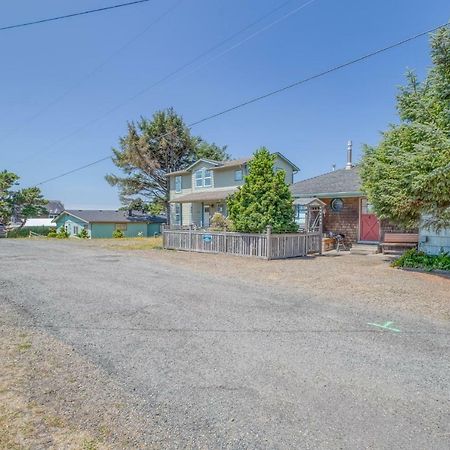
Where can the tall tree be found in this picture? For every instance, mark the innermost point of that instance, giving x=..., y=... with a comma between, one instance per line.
x=19, y=203
x=152, y=149
x=264, y=198
x=407, y=176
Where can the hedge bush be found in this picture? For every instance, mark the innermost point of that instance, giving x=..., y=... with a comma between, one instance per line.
x=420, y=260
x=25, y=232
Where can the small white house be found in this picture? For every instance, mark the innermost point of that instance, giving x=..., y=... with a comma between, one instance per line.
x=40, y=222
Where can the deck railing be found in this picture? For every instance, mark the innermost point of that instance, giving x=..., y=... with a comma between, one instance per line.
x=264, y=245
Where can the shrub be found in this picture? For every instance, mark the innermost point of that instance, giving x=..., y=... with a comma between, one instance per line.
x=117, y=234
x=25, y=232
x=219, y=222
x=83, y=234
x=52, y=234
x=62, y=233
x=420, y=260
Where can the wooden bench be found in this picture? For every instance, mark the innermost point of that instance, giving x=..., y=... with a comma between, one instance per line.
x=395, y=242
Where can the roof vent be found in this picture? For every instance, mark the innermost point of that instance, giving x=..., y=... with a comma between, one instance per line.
x=349, y=164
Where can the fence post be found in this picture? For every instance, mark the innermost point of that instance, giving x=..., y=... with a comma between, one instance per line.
x=269, y=241
x=190, y=238
x=320, y=229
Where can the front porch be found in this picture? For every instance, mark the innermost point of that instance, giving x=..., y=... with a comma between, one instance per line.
x=197, y=209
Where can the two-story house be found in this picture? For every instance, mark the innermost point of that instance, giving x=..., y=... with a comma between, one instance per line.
x=201, y=190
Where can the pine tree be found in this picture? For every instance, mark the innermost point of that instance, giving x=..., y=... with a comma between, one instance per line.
x=407, y=176
x=264, y=198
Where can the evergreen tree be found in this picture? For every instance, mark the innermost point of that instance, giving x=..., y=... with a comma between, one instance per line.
x=19, y=203
x=407, y=176
x=264, y=198
x=152, y=149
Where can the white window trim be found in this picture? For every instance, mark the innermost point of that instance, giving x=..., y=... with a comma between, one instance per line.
x=241, y=176
x=200, y=178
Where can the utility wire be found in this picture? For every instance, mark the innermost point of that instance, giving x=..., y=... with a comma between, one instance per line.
x=271, y=93
x=170, y=75
x=90, y=74
x=68, y=16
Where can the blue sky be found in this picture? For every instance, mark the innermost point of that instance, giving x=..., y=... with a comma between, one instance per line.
x=309, y=124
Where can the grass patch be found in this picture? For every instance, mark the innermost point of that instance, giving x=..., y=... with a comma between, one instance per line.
x=89, y=444
x=419, y=260
x=24, y=346
x=153, y=243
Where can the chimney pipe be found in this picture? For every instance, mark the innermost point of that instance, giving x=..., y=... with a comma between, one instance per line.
x=349, y=164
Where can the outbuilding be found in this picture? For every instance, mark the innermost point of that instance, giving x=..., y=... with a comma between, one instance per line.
x=102, y=223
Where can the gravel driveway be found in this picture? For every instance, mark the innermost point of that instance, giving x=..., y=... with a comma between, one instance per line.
x=217, y=359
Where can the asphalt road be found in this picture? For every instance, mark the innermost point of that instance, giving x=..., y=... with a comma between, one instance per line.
x=223, y=363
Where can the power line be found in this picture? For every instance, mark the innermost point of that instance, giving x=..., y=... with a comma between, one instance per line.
x=274, y=92
x=174, y=72
x=68, y=16
x=91, y=73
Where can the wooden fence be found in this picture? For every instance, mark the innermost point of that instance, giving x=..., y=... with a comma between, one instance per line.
x=264, y=245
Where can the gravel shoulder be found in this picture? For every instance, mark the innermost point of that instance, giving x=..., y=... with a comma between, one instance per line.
x=121, y=348
x=52, y=397
x=349, y=280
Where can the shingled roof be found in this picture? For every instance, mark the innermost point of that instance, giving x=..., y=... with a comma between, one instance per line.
x=341, y=182
x=112, y=216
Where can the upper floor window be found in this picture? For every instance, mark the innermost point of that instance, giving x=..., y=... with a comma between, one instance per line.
x=238, y=175
x=203, y=178
x=178, y=184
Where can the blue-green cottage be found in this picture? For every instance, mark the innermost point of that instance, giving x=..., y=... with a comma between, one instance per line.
x=102, y=223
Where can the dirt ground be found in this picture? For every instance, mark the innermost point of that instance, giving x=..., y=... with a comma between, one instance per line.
x=53, y=398
x=343, y=278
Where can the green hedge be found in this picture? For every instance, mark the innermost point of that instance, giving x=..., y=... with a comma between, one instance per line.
x=25, y=232
x=420, y=260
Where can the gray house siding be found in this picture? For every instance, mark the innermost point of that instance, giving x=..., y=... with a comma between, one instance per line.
x=432, y=242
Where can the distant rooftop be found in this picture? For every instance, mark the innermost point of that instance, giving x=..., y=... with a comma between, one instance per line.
x=113, y=216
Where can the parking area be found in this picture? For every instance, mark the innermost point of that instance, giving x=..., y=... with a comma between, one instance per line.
x=207, y=351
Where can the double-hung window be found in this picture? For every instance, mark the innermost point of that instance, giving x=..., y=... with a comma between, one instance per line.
x=207, y=178
x=203, y=178
x=178, y=184
x=238, y=175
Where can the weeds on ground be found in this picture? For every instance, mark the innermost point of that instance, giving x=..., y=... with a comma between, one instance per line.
x=420, y=260
x=133, y=243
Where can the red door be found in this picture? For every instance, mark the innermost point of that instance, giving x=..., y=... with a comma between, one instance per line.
x=370, y=225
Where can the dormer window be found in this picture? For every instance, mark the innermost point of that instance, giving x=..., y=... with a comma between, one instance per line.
x=203, y=178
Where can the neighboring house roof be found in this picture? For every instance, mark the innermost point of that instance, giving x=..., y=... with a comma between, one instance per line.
x=205, y=196
x=218, y=165
x=341, y=182
x=39, y=223
x=111, y=216
x=54, y=207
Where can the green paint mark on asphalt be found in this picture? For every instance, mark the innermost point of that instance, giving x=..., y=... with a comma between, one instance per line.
x=386, y=326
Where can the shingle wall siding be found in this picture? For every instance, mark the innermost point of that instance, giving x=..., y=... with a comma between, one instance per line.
x=433, y=242
x=345, y=221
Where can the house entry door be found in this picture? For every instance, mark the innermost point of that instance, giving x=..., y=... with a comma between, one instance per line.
x=369, y=223
x=206, y=216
